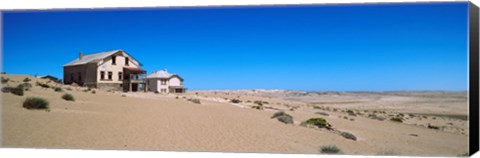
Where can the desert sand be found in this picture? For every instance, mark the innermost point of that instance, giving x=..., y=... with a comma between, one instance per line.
x=169, y=122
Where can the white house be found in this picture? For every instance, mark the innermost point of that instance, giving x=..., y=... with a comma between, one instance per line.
x=164, y=82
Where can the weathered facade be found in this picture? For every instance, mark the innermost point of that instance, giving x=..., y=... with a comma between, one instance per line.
x=164, y=82
x=111, y=70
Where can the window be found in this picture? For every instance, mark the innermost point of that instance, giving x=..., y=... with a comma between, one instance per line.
x=126, y=60
x=163, y=82
x=109, y=75
x=119, y=76
x=102, y=75
x=79, y=76
x=114, y=61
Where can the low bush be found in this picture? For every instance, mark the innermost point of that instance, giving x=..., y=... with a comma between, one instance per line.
x=258, y=102
x=235, y=101
x=27, y=85
x=26, y=80
x=283, y=117
x=58, y=89
x=318, y=122
x=5, y=80
x=68, y=89
x=7, y=89
x=375, y=117
x=348, y=135
x=176, y=97
x=280, y=113
x=68, y=97
x=351, y=113
x=94, y=92
x=35, y=103
x=18, y=90
x=43, y=85
x=287, y=119
x=330, y=149
x=196, y=101
x=123, y=95
x=396, y=119
x=258, y=107
x=322, y=113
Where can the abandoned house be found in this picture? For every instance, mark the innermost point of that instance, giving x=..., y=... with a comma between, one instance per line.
x=110, y=70
x=164, y=82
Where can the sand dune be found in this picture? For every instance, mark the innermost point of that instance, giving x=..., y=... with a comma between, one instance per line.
x=149, y=121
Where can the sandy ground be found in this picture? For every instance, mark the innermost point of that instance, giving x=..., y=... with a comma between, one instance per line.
x=149, y=121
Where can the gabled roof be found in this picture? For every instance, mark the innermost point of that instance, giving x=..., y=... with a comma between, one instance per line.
x=163, y=74
x=91, y=58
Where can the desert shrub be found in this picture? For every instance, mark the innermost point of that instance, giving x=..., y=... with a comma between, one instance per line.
x=235, y=101
x=287, y=119
x=375, y=117
x=93, y=92
x=156, y=92
x=35, y=103
x=7, y=89
x=258, y=102
x=43, y=85
x=68, y=97
x=258, y=107
x=400, y=115
x=345, y=117
x=26, y=80
x=5, y=80
x=318, y=122
x=330, y=149
x=280, y=113
x=348, y=135
x=322, y=113
x=351, y=113
x=196, y=101
x=68, y=89
x=396, y=119
x=283, y=117
x=27, y=85
x=18, y=90
x=176, y=97
x=433, y=127
x=123, y=95
x=58, y=89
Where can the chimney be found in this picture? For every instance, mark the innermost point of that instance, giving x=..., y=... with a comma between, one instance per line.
x=81, y=55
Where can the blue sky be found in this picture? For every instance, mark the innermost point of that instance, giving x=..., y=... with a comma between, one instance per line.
x=354, y=47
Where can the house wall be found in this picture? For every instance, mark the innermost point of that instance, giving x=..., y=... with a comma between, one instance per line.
x=91, y=75
x=152, y=85
x=160, y=86
x=174, y=81
x=75, y=71
x=155, y=84
x=107, y=66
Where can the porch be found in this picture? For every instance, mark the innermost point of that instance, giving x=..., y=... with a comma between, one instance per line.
x=134, y=79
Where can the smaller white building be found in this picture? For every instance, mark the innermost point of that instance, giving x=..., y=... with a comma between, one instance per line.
x=164, y=82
